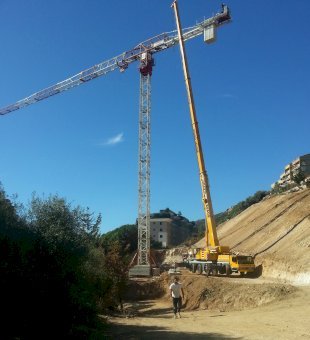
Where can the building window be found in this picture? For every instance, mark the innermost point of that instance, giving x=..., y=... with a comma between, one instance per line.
x=161, y=229
x=160, y=236
x=160, y=223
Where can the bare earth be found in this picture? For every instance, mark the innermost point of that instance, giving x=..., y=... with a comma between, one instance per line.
x=276, y=305
x=284, y=319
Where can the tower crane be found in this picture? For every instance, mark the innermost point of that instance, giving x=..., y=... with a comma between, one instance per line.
x=142, y=53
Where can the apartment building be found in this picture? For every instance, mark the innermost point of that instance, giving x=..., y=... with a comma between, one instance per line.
x=169, y=228
x=299, y=165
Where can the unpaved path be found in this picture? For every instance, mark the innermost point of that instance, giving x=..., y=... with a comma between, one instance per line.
x=285, y=319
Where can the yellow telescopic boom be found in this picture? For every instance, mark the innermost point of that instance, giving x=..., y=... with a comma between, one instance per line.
x=211, y=234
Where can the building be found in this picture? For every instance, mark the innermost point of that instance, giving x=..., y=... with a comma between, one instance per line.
x=169, y=228
x=301, y=165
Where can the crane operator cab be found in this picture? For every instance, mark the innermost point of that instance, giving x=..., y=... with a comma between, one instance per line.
x=242, y=263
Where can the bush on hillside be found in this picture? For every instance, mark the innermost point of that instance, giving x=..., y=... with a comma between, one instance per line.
x=299, y=177
x=125, y=236
x=279, y=189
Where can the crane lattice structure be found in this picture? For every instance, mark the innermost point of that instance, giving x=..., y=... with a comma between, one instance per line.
x=143, y=53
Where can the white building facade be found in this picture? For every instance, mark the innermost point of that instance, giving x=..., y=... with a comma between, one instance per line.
x=300, y=165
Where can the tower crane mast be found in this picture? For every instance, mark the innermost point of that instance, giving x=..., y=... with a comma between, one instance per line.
x=143, y=53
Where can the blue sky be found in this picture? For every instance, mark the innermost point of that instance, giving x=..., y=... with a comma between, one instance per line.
x=251, y=91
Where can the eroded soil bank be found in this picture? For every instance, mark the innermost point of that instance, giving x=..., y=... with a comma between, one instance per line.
x=215, y=308
x=212, y=293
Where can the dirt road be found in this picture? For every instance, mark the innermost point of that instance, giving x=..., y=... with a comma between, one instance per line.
x=284, y=319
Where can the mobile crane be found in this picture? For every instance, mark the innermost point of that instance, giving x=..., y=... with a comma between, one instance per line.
x=214, y=258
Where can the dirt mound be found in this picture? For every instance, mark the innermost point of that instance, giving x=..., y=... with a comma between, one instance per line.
x=277, y=232
x=150, y=288
x=225, y=295
x=201, y=292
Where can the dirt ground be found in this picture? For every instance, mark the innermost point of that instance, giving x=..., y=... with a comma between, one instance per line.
x=276, y=305
x=268, y=310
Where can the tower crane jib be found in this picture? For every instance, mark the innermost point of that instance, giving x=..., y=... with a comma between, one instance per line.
x=154, y=45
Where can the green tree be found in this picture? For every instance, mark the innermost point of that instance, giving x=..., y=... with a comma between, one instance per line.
x=126, y=236
x=8, y=213
x=299, y=177
x=117, y=274
x=46, y=292
x=60, y=224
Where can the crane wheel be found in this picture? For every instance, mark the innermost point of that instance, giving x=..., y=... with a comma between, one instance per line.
x=207, y=270
x=199, y=268
x=213, y=271
x=193, y=268
x=227, y=270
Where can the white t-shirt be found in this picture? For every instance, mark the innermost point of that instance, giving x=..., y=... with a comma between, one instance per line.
x=176, y=289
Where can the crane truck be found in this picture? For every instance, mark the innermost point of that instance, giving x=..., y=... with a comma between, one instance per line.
x=213, y=259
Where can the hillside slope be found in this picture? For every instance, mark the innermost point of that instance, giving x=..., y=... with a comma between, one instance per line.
x=277, y=232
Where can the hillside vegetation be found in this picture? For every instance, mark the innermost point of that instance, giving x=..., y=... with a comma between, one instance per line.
x=127, y=235
x=55, y=275
x=231, y=212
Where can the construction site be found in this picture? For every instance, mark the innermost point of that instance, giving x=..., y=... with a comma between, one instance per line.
x=272, y=303
x=247, y=278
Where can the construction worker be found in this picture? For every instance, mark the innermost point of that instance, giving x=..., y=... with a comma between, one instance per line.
x=177, y=295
